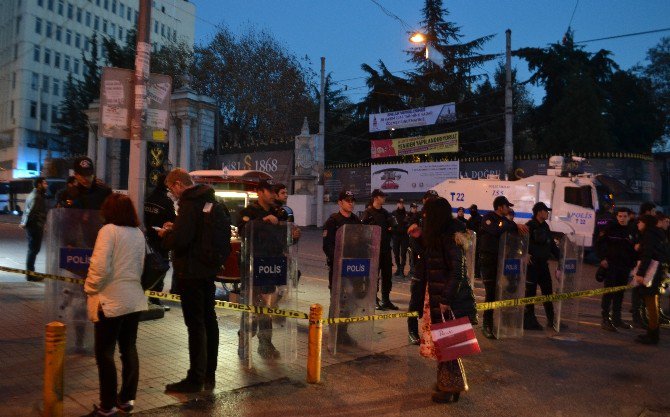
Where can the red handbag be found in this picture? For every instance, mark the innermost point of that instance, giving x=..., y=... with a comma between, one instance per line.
x=454, y=339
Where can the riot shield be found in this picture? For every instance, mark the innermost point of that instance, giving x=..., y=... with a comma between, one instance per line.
x=268, y=279
x=470, y=256
x=568, y=279
x=69, y=239
x=354, y=287
x=511, y=284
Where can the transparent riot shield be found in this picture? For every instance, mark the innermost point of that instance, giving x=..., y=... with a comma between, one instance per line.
x=269, y=279
x=568, y=279
x=354, y=287
x=470, y=256
x=511, y=283
x=69, y=239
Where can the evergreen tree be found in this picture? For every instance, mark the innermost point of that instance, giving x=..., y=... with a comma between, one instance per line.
x=72, y=124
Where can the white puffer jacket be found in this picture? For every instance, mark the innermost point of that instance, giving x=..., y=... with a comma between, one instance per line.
x=113, y=283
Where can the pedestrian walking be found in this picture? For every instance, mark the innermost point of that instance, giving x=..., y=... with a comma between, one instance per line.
x=114, y=301
x=33, y=220
x=379, y=216
x=400, y=237
x=541, y=246
x=441, y=270
x=637, y=305
x=617, y=258
x=158, y=210
x=654, y=247
x=187, y=238
x=493, y=225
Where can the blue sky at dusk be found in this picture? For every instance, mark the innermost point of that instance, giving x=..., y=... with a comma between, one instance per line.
x=352, y=32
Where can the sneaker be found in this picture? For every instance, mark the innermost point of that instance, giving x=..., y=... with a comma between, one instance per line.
x=34, y=279
x=557, y=329
x=268, y=351
x=185, y=385
x=388, y=305
x=488, y=332
x=622, y=324
x=414, y=338
x=126, y=407
x=101, y=412
x=608, y=325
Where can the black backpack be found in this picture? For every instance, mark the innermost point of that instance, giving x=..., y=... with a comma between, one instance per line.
x=215, y=237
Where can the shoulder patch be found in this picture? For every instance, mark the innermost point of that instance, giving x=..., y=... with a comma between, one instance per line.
x=488, y=222
x=245, y=218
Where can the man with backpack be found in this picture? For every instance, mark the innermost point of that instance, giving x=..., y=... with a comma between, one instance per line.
x=199, y=240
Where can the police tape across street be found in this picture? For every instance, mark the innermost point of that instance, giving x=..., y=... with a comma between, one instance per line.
x=516, y=302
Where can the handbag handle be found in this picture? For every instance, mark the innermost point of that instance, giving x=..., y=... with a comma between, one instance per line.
x=451, y=315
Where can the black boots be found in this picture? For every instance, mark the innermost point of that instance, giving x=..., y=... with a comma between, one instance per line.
x=608, y=325
x=530, y=322
x=649, y=338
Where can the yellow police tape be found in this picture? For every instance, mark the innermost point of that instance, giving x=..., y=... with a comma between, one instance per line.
x=516, y=302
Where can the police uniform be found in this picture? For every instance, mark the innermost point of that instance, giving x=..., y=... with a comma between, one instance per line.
x=334, y=222
x=382, y=218
x=492, y=227
x=541, y=246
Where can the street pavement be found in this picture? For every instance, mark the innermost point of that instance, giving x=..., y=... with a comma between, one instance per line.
x=584, y=371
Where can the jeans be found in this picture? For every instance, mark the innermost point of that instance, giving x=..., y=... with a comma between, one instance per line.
x=489, y=270
x=34, y=235
x=109, y=331
x=197, y=303
x=417, y=294
x=614, y=277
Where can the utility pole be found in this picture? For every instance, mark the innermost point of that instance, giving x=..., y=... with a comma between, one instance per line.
x=321, y=143
x=509, y=111
x=138, y=146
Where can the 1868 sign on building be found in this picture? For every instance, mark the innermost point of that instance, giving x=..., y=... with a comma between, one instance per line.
x=279, y=164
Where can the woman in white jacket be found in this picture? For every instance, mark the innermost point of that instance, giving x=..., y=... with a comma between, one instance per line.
x=115, y=299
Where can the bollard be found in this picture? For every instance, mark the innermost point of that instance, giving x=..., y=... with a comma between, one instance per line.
x=314, y=344
x=53, y=369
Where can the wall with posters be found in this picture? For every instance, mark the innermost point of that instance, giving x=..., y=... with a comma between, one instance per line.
x=279, y=164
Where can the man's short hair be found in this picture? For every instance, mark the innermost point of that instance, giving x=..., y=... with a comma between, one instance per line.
x=646, y=207
x=181, y=175
x=278, y=187
x=37, y=181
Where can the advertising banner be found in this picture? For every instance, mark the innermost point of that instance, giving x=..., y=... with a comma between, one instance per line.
x=408, y=178
x=422, y=116
x=441, y=143
x=279, y=164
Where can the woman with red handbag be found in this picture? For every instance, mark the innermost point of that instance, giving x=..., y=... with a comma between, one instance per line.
x=442, y=270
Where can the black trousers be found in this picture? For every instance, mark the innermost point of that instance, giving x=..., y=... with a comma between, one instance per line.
x=538, y=274
x=108, y=332
x=197, y=302
x=386, y=269
x=34, y=235
x=417, y=294
x=489, y=270
x=400, y=244
x=614, y=277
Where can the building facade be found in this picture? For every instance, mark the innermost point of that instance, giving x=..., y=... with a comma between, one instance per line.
x=41, y=43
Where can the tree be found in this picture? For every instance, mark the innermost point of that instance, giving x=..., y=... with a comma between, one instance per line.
x=658, y=72
x=570, y=117
x=262, y=90
x=72, y=125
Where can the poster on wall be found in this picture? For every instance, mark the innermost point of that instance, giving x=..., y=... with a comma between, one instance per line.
x=411, y=178
x=441, y=143
x=422, y=116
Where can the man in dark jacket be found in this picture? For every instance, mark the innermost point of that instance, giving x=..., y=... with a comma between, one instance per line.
x=33, y=221
x=541, y=246
x=345, y=215
x=90, y=192
x=400, y=237
x=194, y=279
x=493, y=225
x=378, y=215
x=617, y=257
x=158, y=210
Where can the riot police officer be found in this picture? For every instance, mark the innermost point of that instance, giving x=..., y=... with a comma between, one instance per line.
x=494, y=224
x=345, y=215
x=541, y=246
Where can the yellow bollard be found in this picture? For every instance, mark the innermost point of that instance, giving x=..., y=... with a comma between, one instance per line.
x=53, y=369
x=314, y=344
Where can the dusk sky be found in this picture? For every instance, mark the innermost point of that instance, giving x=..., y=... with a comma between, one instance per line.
x=352, y=32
